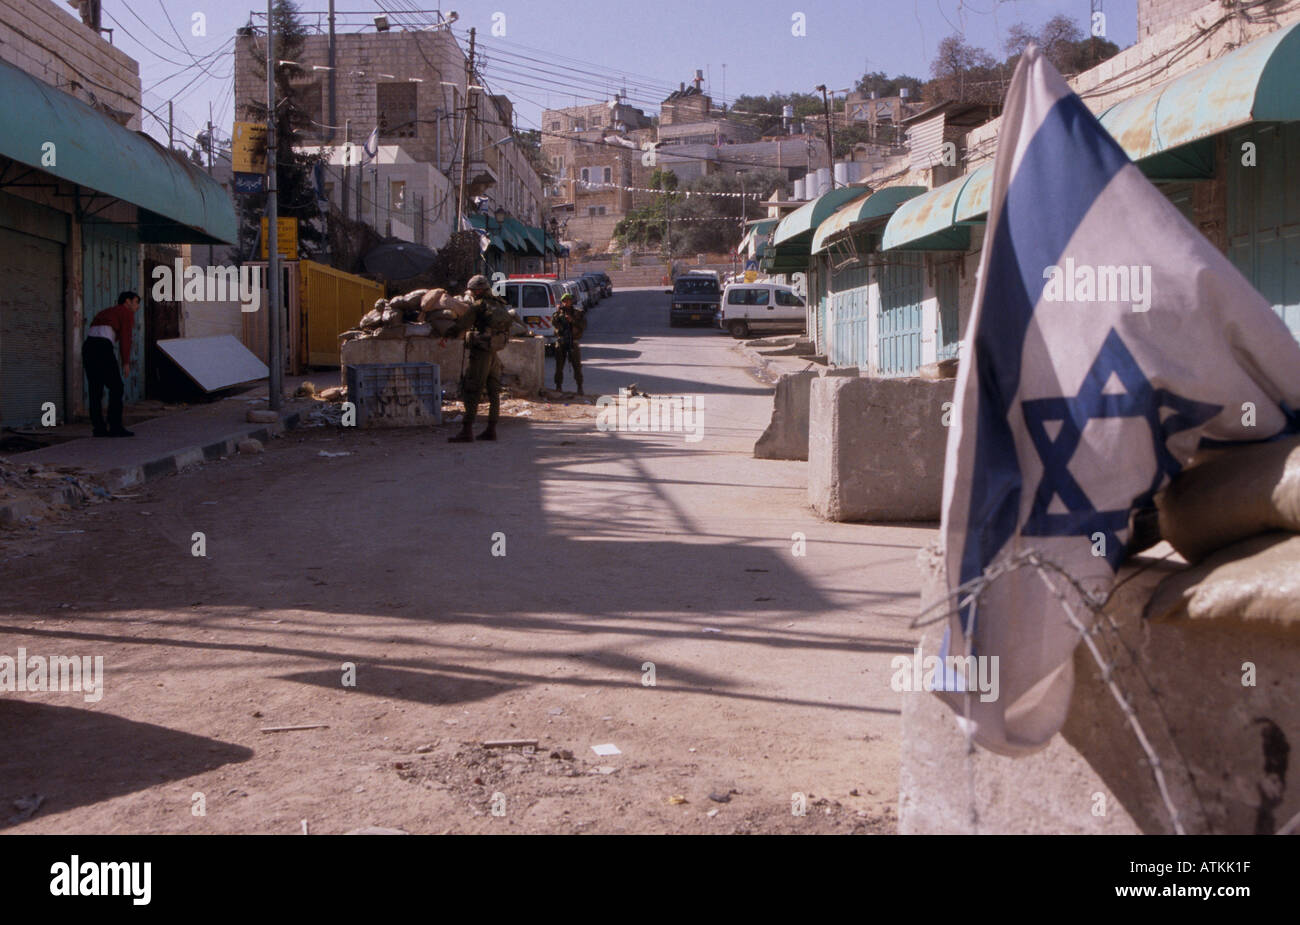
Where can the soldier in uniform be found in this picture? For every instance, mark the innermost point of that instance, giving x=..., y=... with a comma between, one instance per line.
x=570, y=324
x=485, y=329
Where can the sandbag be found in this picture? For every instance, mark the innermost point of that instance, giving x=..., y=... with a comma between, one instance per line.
x=1241, y=492
x=372, y=319
x=1254, y=583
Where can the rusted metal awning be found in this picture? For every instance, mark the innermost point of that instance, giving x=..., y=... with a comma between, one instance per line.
x=876, y=207
x=929, y=222
x=1164, y=129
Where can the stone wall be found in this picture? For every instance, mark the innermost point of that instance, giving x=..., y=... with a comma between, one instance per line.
x=50, y=42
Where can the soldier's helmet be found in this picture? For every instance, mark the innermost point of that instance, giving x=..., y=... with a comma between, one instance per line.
x=566, y=299
x=479, y=283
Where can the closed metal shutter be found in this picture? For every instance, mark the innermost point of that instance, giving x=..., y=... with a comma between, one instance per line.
x=31, y=327
x=110, y=265
x=901, y=290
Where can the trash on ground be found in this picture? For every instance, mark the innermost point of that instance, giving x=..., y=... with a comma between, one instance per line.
x=604, y=750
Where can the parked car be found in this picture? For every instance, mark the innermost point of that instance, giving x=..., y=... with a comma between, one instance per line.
x=591, y=289
x=695, y=298
x=760, y=308
x=535, y=301
x=603, y=281
x=579, y=294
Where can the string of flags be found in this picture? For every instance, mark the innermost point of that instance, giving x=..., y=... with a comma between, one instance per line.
x=592, y=185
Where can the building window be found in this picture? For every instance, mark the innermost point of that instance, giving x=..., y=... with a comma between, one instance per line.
x=609, y=175
x=595, y=210
x=396, y=107
x=555, y=126
x=396, y=195
x=585, y=176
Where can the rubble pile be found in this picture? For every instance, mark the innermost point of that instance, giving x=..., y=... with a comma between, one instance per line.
x=32, y=492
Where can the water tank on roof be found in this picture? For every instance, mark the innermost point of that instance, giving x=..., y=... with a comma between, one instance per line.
x=823, y=181
x=799, y=189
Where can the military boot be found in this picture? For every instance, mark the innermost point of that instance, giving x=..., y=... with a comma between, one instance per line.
x=466, y=434
x=489, y=432
x=580, y=392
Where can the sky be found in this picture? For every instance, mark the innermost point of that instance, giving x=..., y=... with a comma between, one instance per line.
x=589, y=48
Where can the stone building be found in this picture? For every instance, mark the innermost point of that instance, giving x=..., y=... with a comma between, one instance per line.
x=411, y=86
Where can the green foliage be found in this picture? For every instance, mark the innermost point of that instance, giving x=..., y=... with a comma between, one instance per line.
x=960, y=71
x=704, y=221
x=297, y=192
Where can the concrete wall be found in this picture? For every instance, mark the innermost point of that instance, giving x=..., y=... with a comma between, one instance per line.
x=876, y=448
x=786, y=436
x=522, y=359
x=1219, y=741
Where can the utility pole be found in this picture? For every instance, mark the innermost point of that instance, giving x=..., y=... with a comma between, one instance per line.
x=830, y=147
x=347, y=168
x=275, y=356
x=464, y=136
x=332, y=116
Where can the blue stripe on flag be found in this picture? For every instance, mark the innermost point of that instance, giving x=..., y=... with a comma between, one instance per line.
x=1066, y=166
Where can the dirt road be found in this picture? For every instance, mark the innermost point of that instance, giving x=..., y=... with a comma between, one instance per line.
x=671, y=597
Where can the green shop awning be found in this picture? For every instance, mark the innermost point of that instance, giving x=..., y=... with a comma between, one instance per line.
x=759, y=233
x=537, y=239
x=516, y=234
x=939, y=220
x=1168, y=128
x=879, y=205
x=799, y=225
x=178, y=202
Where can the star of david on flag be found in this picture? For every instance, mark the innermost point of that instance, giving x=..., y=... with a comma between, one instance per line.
x=1108, y=340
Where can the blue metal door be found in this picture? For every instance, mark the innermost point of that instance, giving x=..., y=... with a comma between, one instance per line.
x=945, y=290
x=1263, y=203
x=110, y=265
x=901, y=288
x=852, y=322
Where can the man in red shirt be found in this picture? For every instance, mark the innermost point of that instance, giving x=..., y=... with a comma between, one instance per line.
x=111, y=326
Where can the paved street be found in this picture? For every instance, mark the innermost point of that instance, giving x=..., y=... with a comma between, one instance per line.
x=770, y=669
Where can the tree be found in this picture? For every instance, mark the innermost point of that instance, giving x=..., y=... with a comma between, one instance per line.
x=877, y=82
x=294, y=171
x=965, y=73
x=1062, y=42
x=706, y=220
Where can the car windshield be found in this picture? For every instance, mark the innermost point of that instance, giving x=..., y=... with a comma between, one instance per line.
x=696, y=286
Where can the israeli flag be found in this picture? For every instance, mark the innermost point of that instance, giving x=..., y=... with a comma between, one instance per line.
x=371, y=146
x=1108, y=341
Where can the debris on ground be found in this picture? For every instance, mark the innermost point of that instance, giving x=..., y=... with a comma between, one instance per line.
x=604, y=750
x=249, y=445
x=677, y=800
x=26, y=808
x=256, y=416
x=32, y=492
x=327, y=454
x=305, y=390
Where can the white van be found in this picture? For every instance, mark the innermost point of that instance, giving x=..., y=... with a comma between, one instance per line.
x=760, y=308
x=535, y=301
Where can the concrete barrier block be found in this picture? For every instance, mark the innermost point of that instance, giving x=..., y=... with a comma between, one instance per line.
x=786, y=436
x=523, y=362
x=876, y=448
